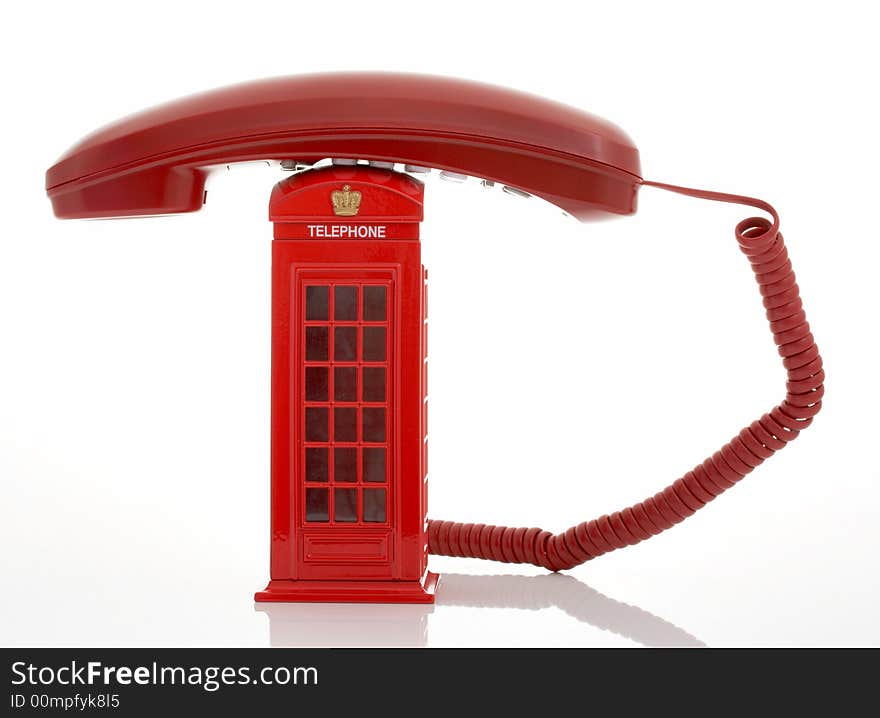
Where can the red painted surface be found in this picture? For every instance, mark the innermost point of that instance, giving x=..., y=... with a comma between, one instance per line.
x=156, y=162
x=374, y=548
x=348, y=553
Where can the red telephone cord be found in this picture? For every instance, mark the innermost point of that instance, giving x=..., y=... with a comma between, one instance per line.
x=762, y=243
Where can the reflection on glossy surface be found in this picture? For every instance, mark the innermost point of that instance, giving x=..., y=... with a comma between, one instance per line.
x=355, y=625
x=359, y=625
x=566, y=593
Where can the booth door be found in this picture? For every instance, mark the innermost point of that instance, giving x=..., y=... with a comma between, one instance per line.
x=344, y=475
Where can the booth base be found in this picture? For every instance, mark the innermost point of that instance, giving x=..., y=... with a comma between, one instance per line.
x=351, y=591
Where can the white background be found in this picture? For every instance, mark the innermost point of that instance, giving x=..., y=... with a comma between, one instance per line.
x=575, y=368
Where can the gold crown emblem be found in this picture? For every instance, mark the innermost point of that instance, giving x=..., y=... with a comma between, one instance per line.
x=345, y=201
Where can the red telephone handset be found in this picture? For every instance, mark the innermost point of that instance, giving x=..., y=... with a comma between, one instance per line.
x=156, y=163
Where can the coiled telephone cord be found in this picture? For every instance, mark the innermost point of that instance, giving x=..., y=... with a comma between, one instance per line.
x=761, y=241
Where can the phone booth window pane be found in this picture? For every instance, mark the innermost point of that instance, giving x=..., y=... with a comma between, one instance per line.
x=374, y=343
x=345, y=504
x=316, y=383
x=345, y=304
x=345, y=464
x=374, y=304
x=374, y=505
x=374, y=383
x=374, y=465
x=345, y=424
x=316, y=423
x=345, y=343
x=317, y=302
x=316, y=343
x=345, y=383
x=316, y=464
x=317, y=504
x=374, y=424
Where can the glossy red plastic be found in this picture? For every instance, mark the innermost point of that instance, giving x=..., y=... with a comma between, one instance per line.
x=349, y=495
x=349, y=429
x=761, y=242
x=156, y=162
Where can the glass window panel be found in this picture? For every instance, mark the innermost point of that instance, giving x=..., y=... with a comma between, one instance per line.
x=316, y=463
x=345, y=424
x=316, y=383
x=345, y=303
x=345, y=464
x=374, y=424
x=374, y=464
x=374, y=383
x=345, y=383
x=317, y=504
x=317, y=302
x=374, y=505
x=374, y=343
x=316, y=423
x=374, y=304
x=345, y=504
x=345, y=343
x=316, y=343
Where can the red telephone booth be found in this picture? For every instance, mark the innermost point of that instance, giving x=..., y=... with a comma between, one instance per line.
x=349, y=389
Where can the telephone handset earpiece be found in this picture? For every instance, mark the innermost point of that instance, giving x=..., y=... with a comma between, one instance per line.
x=156, y=163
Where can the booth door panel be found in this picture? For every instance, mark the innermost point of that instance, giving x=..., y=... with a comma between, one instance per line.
x=343, y=477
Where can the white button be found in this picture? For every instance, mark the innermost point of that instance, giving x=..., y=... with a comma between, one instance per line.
x=346, y=162
x=452, y=176
x=516, y=192
x=415, y=169
x=382, y=165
